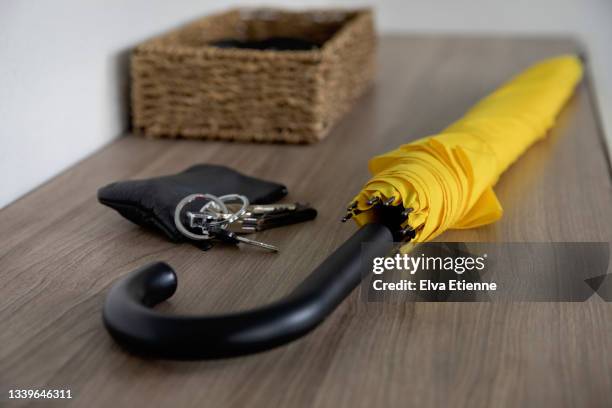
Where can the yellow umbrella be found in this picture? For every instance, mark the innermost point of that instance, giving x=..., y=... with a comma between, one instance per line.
x=446, y=180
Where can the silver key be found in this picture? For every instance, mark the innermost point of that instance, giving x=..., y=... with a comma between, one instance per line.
x=255, y=210
x=233, y=238
x=248, y=241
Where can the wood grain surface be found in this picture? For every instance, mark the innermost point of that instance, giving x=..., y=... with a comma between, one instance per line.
x=60, y=251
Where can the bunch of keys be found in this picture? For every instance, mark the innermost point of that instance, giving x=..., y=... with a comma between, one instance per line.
x=225, y=217
x=214, y=219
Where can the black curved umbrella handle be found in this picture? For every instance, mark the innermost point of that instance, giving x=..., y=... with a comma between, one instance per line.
x=133, y=324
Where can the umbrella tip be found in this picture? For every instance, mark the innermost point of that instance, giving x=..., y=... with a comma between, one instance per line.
x=406, y=212
x=407, y=232
x=373, y=200
x=347, y=217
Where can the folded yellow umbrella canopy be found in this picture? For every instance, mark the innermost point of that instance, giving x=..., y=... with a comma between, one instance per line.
x=447, y=179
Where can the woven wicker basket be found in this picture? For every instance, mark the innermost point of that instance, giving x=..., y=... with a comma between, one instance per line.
x=182, y=86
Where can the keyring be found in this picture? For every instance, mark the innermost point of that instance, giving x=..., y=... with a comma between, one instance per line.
x=227, y=198
x=190, y=198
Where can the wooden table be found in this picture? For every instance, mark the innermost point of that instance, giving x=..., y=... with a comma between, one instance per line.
x=60, y=251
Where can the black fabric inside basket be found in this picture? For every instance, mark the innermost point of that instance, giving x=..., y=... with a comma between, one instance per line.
x=272, y=43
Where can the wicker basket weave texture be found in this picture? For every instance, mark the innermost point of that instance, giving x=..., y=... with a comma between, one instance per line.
x=184, y=87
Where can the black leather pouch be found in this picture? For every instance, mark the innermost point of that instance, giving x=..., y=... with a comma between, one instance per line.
x=151, y=202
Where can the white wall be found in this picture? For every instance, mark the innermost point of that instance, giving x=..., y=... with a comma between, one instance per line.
x=63, y=66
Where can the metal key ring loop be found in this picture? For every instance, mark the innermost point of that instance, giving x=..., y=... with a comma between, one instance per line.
x=190, y=198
